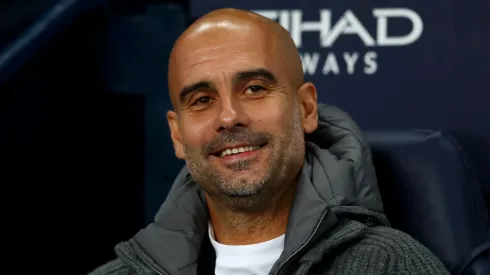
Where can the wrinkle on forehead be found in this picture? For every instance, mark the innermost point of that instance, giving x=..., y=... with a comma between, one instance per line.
x=228, y=29
x=239, y=50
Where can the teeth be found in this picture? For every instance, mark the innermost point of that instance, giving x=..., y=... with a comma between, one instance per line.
x=238, y=150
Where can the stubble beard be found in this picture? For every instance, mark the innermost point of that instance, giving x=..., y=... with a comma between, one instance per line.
x=243, y=195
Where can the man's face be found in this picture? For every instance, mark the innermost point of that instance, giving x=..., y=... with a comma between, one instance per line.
x=237, y=122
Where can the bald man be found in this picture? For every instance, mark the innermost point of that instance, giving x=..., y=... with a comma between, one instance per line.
x=274, y=183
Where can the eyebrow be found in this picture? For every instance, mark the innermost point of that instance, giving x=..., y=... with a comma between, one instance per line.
x=260, y=72
x=239, y=77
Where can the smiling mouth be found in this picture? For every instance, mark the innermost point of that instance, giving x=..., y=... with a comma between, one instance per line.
x=238, y=150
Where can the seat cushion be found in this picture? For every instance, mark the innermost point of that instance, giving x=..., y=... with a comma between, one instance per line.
x=430, y=190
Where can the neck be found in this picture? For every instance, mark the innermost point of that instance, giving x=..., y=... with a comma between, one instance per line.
x=234, y=227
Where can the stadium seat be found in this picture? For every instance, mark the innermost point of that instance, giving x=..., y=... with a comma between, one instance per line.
x=430, y=190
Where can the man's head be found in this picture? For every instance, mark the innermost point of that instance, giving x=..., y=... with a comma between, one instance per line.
x=241, y=106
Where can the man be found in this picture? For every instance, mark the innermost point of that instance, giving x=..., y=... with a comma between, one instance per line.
x=273, y=183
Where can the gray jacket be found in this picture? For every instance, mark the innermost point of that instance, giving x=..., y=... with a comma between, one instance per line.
x=336, y=224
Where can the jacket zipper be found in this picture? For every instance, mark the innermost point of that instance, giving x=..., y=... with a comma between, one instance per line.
x=305, y=244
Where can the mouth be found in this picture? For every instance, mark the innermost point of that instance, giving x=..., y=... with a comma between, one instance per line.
x=236, y=150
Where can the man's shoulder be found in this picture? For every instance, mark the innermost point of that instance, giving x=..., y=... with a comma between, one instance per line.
x=113, y=267
x=403, y=250
x=392, y=240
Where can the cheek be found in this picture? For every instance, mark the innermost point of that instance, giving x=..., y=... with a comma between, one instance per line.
x=195, y=134
x=274, y=115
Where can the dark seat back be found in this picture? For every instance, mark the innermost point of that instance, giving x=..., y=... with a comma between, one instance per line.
x=430, y=190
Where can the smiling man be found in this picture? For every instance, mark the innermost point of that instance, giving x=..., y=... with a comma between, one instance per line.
x=274, y=183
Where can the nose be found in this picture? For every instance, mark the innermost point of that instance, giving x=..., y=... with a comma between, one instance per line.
x=232, y=113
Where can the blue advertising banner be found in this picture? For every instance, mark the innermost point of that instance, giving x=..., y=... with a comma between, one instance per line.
x=391, y=64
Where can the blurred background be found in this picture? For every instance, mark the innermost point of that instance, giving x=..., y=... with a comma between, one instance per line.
x=83, y=92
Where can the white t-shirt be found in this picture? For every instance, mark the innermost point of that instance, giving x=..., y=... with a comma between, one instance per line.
x=253, y=259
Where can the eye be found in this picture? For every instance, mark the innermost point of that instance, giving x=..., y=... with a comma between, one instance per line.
x=202, y=100
x=254, y=89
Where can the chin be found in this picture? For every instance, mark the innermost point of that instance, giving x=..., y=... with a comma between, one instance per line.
x=243, y=186
x=241, y=189
x=242, y=193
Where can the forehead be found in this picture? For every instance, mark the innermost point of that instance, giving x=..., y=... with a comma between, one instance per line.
x=220, y=54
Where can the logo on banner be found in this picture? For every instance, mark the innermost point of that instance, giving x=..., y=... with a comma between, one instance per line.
x=365, y=61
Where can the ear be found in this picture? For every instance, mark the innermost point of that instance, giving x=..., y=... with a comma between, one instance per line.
x=173, y=123
x=308, y=107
